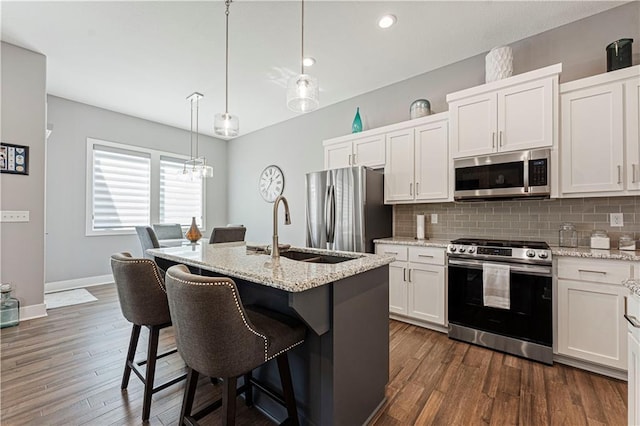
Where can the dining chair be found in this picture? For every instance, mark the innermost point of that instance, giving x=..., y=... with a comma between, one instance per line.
x=228, y=342
x=227, y=234
x=148, y=240
x=143, y=302
x=168, y=231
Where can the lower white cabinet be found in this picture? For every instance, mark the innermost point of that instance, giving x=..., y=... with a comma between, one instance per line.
x=633, y=359
x=591, y=325
x=417, y=283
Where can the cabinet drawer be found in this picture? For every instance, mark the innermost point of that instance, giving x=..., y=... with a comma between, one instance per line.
x=400, y=252
x=599, y=271
x=430, y=255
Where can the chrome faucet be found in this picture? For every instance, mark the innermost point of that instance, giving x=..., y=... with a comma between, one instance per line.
x=275, y=251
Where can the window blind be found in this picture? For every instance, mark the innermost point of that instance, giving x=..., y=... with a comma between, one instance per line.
x=180, y=199
x=121, y=188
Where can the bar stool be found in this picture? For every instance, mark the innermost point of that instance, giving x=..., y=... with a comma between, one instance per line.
x=143, y=302
x=227, y=234
x=219, y=337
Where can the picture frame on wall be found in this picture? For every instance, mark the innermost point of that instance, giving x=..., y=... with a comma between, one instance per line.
x=14, y=159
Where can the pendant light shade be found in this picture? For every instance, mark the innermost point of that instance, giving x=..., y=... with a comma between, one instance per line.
x=196, y=167
x=225, y=124
x=303, y=91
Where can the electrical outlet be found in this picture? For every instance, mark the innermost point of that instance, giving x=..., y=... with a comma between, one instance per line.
x=434, y=217
x=14, y=216
x=616, y=219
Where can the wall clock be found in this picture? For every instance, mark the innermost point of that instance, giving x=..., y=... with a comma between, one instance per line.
x=271, y=183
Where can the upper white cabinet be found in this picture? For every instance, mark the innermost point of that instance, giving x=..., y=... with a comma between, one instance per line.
x=358, y=149
x=516, y=113
x=599, y=145
x=417, y=166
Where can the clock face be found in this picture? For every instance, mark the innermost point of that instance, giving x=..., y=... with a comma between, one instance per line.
x=271, y=183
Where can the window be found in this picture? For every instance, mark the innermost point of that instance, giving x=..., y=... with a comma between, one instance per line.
x=131, y=186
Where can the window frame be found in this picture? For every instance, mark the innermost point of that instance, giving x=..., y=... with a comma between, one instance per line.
x=154, y=201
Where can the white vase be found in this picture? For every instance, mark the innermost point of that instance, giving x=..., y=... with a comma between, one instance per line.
x=498, y=64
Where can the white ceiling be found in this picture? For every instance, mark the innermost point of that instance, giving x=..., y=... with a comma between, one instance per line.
x=143, y=58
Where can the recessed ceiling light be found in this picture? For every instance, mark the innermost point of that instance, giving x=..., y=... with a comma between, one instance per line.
x=308, y=61
x=386, y=21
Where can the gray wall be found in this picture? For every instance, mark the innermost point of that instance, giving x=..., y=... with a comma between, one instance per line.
x=71, y=254
x=296, y=145
x=23, y=88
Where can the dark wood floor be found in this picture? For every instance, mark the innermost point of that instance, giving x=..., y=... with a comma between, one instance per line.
x=66, y=369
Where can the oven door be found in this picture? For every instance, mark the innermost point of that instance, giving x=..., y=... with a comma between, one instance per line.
x=530, y=315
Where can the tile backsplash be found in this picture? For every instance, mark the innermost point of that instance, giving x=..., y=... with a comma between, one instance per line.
x=521, y=219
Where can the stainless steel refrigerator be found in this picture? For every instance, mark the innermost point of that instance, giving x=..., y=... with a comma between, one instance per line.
x=345, y=209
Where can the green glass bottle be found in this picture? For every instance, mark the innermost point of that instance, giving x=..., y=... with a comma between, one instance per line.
x=357, y=122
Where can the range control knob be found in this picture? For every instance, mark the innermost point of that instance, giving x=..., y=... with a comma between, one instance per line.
x=531, y=253
x=543, y=254
x=462, y=249
x=452, y=249
x=472, y=250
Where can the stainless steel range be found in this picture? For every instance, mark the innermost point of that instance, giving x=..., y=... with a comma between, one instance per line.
x=500, y=296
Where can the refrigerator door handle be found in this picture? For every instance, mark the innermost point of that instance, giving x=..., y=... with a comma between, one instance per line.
x=330, y=214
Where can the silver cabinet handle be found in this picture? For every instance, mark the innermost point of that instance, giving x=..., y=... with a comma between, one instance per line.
x=354, y=159
x=493, y=139
x=592, y=272
x=633, y=173
x=500, y=138
x=404, y=273
x=619, y=174
x=391, y=252
x=417, y=188
x=409, y=275
x=349, y=159
x=425, y=255
x=632, y=320
x=410, y=189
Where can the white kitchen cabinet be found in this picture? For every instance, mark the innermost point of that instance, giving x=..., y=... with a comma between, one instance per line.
x=508, y=115
x=599, y=148
x=590, y=304
x=360, y=149
x=417, y=167
x=417, y=283
x=633, y=359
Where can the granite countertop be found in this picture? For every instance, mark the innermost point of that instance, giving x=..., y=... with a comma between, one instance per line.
x=409, y=241
x=241, y=260
x=596, y=253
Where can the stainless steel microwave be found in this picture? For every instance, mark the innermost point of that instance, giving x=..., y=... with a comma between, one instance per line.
x=507, y=175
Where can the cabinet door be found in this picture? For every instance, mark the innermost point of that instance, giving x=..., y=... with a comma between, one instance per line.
x=592, y=140
x=338, y=155
x=432, y=162
x=525, y=116
x=398, y=170
x=633, y=380
x=632, y=114
x=426, y=293
x=397, y=288
x=473, y=126
x=591, y=325
x=369, y=152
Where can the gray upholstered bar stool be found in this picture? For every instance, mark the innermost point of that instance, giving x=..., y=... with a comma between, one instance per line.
x=168, y=231
x=144, y=303
x=219, y=337
x=148, y=240
x=228, y=234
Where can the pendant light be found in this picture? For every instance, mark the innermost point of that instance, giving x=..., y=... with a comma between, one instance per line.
x=302, y=90
x=196, y=167
x=226, y=124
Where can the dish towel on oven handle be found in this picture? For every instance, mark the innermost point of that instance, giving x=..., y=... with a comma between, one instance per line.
x=495, y=285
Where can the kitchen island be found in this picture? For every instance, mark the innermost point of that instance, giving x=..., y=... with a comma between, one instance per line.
x=341, y=371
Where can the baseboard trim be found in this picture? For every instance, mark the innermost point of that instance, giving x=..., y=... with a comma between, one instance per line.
x=589, y=366
x=77, y=283
x=419, y=323
x=33, y=311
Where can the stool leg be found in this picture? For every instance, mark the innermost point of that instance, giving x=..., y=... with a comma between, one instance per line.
x=131, y=353
x=189, y=394
x=248, y=394
x=229, y=401
x=152, y=352
x=287, y=388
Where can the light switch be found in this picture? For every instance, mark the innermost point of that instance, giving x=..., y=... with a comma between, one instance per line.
x=14, y=216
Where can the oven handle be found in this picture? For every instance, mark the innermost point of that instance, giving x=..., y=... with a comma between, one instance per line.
x=543, y=271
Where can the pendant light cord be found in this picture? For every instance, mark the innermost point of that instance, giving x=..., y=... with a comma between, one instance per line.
x=191, y=132
x=197, y=117
x=226, y=77
x=302, y=43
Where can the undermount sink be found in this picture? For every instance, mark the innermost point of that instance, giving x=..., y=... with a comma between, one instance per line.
x=312, y=257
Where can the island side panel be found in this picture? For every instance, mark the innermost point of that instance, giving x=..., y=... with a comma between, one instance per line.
x=360, y=345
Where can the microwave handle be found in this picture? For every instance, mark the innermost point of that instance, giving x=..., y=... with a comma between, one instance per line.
x=526, y=172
